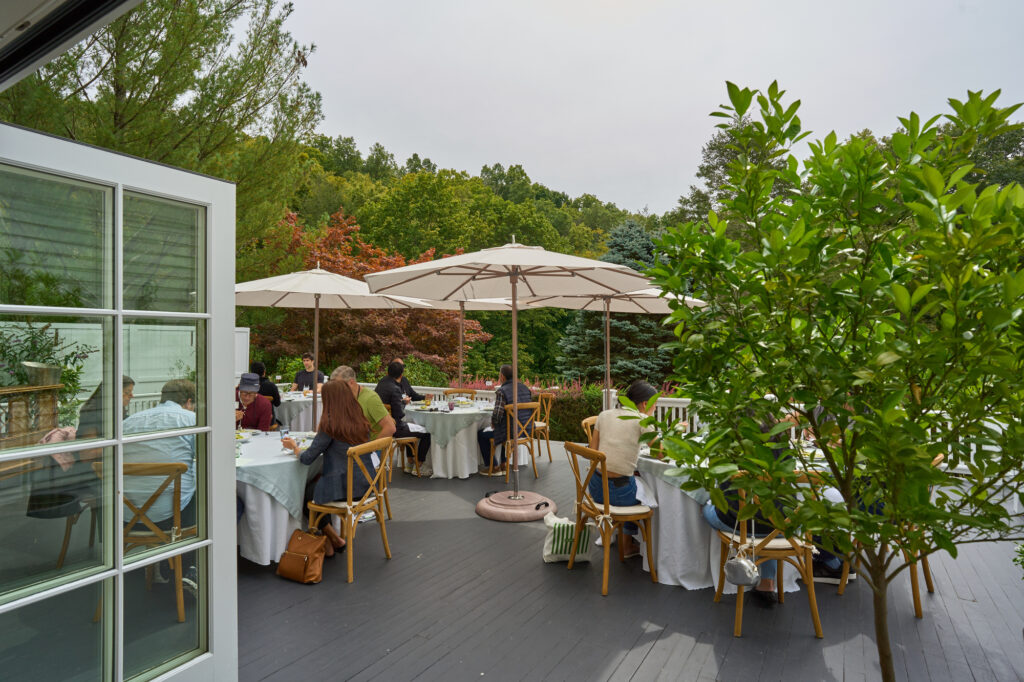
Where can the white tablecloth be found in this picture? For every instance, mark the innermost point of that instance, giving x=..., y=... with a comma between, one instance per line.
x=267, y=524
x=686, y=548
x=297, y=412
x=460, y=456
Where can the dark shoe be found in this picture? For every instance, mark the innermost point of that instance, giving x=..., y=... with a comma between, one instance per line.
x=826, y=575
x=190, y=581
x=765, y=599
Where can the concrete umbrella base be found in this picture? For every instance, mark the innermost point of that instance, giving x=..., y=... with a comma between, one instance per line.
x=500, y=506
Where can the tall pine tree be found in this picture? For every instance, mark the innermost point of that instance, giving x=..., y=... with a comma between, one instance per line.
x=635, y=339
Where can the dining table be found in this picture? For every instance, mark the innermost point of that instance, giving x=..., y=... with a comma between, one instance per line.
x=271, y=483
x=454, y=452
x=295, y=411
x=687, y=550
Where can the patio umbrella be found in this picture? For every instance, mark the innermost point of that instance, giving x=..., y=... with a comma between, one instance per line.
x=317, y=289
x=650, y=301
x=498, y=273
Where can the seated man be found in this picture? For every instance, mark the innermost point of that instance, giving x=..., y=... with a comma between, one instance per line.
x=409, y=394
x=255, y=412
x=390, y=391
x=381, y=424
x=308, y=378
x=499, y=428
x=176, y=410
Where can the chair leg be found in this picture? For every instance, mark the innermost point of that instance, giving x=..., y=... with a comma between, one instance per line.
x=779, y=563
x=926, y=569
x=92, y=525
x=575, y=539
x=547, y=439
x=415, y=450
x=737, y=626
x=178, y=594
x=387, y=503
x=622, y=542
x=606, y=539
x=533, y=459
x=383, y=532
x=350, y=521
x=915, y=588
x=67, y=538
x=149, y=577
x=721, y=571
x=844, y=578
x=645, y=528
x=808, y=575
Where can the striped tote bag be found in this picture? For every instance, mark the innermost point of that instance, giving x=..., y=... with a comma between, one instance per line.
x=558, y=542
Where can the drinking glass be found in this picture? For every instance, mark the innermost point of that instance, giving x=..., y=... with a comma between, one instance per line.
x=451, y=405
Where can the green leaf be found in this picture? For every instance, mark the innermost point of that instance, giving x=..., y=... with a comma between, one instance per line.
x=919, y=293
x=886, y=358
x=901, y=297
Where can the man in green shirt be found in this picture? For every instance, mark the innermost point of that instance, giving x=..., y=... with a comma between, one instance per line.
x=381, y=423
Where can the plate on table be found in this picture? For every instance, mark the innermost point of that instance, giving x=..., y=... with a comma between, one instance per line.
x=243, y=436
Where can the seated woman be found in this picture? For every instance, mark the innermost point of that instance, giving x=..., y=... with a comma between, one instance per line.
x=342, y=425
x=619, y=440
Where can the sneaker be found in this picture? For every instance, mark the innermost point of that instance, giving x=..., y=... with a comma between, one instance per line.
x=190, y=581
x=828, y=576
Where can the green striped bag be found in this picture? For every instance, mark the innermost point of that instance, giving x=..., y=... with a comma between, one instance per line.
x=558, y=542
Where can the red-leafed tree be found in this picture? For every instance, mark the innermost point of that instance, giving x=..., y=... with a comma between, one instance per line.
x=348, y=337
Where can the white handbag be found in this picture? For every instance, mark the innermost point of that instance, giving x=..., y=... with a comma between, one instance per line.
x=741, y=570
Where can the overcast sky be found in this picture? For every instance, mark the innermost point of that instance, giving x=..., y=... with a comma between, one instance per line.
x=612, y=97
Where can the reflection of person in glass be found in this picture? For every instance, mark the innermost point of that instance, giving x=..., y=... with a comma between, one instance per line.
x=90, y=419
x=175, y=411
x=310, y=377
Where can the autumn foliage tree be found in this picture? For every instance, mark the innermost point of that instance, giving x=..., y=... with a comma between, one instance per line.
x=351, y=336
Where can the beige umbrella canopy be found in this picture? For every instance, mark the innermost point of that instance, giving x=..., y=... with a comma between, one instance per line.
x=317, y=289
x=651, y=301
x=498, y=273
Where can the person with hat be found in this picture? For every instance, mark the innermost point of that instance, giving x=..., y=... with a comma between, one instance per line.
x=252, y=410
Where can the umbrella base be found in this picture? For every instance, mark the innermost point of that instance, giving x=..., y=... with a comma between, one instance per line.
x=501, y=507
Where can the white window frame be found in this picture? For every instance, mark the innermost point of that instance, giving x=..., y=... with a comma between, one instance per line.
x=56, y=156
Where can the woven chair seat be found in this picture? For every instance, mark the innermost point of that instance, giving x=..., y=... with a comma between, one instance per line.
x=631, y=510
x=779, y=544
x=344, y=504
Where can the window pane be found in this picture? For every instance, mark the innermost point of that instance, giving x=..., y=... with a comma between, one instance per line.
x=154, y=633
x=54, y=519
x=157, y=352
x=163, y=254
x=65, y=383
x=52, y=237
x=163, y=487
x=57, y=638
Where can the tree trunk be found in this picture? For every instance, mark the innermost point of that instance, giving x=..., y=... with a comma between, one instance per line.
x=881, y=603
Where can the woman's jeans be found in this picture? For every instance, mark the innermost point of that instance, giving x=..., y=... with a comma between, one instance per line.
x=767, y=569
x=619, y=496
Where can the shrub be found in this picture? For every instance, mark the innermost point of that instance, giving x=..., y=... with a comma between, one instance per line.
x=422, y=373
x=572, y=405
x=371, y=370
x=287, y=368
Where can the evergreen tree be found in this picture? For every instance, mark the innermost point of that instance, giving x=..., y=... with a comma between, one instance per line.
x=635, y=339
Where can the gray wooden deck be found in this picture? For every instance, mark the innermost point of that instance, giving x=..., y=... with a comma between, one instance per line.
x=467, y=598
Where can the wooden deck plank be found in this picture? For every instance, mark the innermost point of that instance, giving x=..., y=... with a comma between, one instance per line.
x=464, y=596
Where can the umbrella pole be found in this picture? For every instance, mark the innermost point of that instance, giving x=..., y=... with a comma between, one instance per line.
x=316, y=351
x=515, y=388
x=607, y=354
x=462, y=317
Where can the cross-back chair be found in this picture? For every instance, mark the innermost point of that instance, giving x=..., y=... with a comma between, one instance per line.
x=150, y=534
x=405, y=447
x=607, y=517
x=772, y=547
x=588, y=428
x=519, y=433
x=349, y=510
x=915, y=586
x=542, y=427
x=468, y=392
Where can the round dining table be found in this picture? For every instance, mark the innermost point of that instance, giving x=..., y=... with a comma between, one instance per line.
x=271, y=483
x=454, y=452
x=296, y=410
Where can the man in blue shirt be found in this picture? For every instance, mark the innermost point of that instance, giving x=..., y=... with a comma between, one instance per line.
x=175, y=411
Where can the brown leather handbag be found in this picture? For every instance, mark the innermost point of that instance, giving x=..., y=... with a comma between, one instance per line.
x=303, y=560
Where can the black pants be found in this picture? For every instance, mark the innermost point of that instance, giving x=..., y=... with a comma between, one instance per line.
x=402, y=431
x=484, y=439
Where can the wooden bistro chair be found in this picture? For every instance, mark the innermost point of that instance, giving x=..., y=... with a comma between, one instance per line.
x=151, y=535
x=349, y=510
x=588, y=428
x=915, y=586
x=542, y=427
x=406, y=447
x=773, y=547
x=519, y=434
x=468, y=392
x=606, y=517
